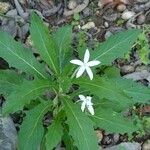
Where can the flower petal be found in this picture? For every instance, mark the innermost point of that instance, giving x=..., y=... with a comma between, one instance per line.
x=93, y=63
x=77, y=62
x=86, y=56
x=91, y=110
x=83, y=106
x=82, y=97
x=89, y=72
x=80, y=71
x=89, y=98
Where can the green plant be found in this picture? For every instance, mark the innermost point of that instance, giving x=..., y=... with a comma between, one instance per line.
x=142, y=46
x=76, y=19
x=103, y=98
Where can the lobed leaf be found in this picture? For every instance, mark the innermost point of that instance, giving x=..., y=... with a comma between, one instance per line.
x=68, y=141
x=136, y=91
x=63, y=39
x=80, y=127
x=32, y=131
x=19, y=57
x=106, y=88
x=26, y=92
x=44, y=42
x=54, y=134
x=116, y=46
x=9, y=81
x=112, y=121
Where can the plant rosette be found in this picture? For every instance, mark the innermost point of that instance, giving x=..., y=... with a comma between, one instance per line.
x=80, y=99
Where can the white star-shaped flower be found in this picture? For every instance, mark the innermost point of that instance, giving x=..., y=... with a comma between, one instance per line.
x=86, y=103
x=85, y=65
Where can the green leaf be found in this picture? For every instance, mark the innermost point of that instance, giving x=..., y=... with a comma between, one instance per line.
x=116, y=46
x=105, y=88
x=32, y=130
x=63, y=39
x=28, y=91
x=76, y=16
x=136, y=91
x=44, y=42
x=80, y=127
x=105, y=104
x=68, y=141
x=54, y=134
x=19, y=57
x=112, y=72
x=112, y=121
x=9, y=81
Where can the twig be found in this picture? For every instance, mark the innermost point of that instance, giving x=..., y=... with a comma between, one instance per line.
x=78, y=9
x=20, y=10
x=52, y=11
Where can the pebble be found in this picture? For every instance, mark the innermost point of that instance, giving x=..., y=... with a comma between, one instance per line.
x=88, y=25
x=141, y=1
x=140, y=68
x=72, y=4
x=141, y=19
x=146, y=145
x=106, y=24
x=100, y=4
x=4, y=7
x=8, y=134
x=99, y=135
x=127, y=69
x=23, y=2
x=140, y=75
x=110, y=15
x=29, y=42
x=116, y=137
x=130, y=25
x=108, y=34
x=121, y=7
x=125, y=145
x=107, y=140
x=86, y=12
x=126, y=15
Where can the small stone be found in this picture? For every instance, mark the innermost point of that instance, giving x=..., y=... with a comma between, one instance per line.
x=108, y=34
x=24, y=31
x=126, y=15
x=140, y=68
x=100, y=4
x=130, y=25
x=8, y=134
x=146, y=145
x=99, y=135
x=23, y=2
x=140, y=75
x=29, y=42
x=4, y=7
x=86, y=12
x=127, y=69
x=72, y=4
x=106, y=24
x=141, y=19
x=116, y=137
x=125, y=145
x=121, y=7
x=110, y=15
x=107, y=139
x=88, y=25
x=141, y=1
